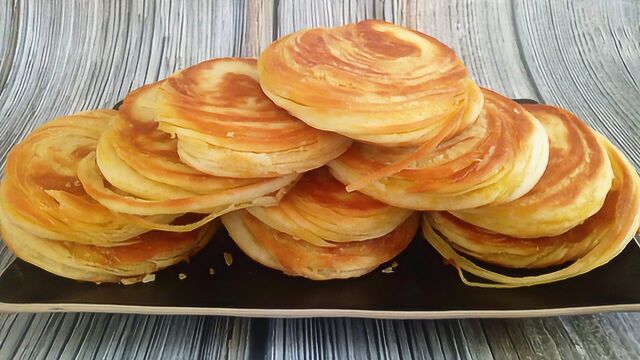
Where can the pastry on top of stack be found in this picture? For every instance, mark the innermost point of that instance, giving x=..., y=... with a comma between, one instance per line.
x=372, y=81
x=137, y=158
x=49, y=220
x=498, y=158
x=321, y=232
x=575, y=213
x=226, y=126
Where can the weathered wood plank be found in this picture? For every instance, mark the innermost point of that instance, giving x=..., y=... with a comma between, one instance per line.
x=259, y=27
x=58, y=58
x=532, y=339
x=8, y=38
x=583, y=56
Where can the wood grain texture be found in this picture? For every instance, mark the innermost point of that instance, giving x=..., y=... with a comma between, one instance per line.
x=590, y=46
x=61, y=57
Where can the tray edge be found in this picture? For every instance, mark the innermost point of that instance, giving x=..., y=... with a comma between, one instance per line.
x=310, y=313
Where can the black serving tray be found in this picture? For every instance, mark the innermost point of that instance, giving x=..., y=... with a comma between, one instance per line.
x=422, y=286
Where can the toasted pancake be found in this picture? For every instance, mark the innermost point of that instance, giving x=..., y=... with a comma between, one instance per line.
x=572, y=188
x=137, y=158
x=321, y=231
x=226, y=126
x=42, y=194
x=283, y=252
x=589, y=245
x=319, y=211
x=372, y=81
x=129, y=263
x=496, y=160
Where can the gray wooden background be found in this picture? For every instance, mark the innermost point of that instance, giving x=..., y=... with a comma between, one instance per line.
x=59, y=57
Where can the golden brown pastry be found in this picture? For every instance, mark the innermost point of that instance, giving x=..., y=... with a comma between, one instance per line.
x=41, y=192
x=496, y=160
x=317, y=208
x=48, y=219
x=589, y=245
x=372, y=81
x=320, y=231
x=137, y=158
x=296, y=257
x=128, y=263
x=226, y=126
x=573, y=187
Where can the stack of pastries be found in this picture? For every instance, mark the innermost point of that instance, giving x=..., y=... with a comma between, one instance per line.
x=322, y=158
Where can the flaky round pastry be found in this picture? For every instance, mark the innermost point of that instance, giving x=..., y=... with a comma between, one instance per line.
x=497, y=159
x=589, y=245
x=319, y=211
x=226, y=126
x=42, y=194
x=572, y=188
x=294, y=257
x=372, y=81
x=137, y=158
x=144, y=254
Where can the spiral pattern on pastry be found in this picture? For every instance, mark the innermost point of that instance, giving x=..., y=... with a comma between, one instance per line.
x=226, y=126
x=589, y=245
x=319, y=211
x=295, y=257
x=42, y=194
x=137, y=158
x=321, y=231
x=371, y=81
x=497, y=159
x=572, y=188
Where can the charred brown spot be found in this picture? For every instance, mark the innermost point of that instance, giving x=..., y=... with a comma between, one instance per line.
x=240, y=86
x=386, y=44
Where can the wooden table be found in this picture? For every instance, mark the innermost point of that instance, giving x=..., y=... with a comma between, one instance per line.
x=59, y=58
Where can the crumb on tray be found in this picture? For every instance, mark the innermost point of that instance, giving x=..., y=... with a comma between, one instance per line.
x=391, y=268
x=129, y=281
x=228, y=259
